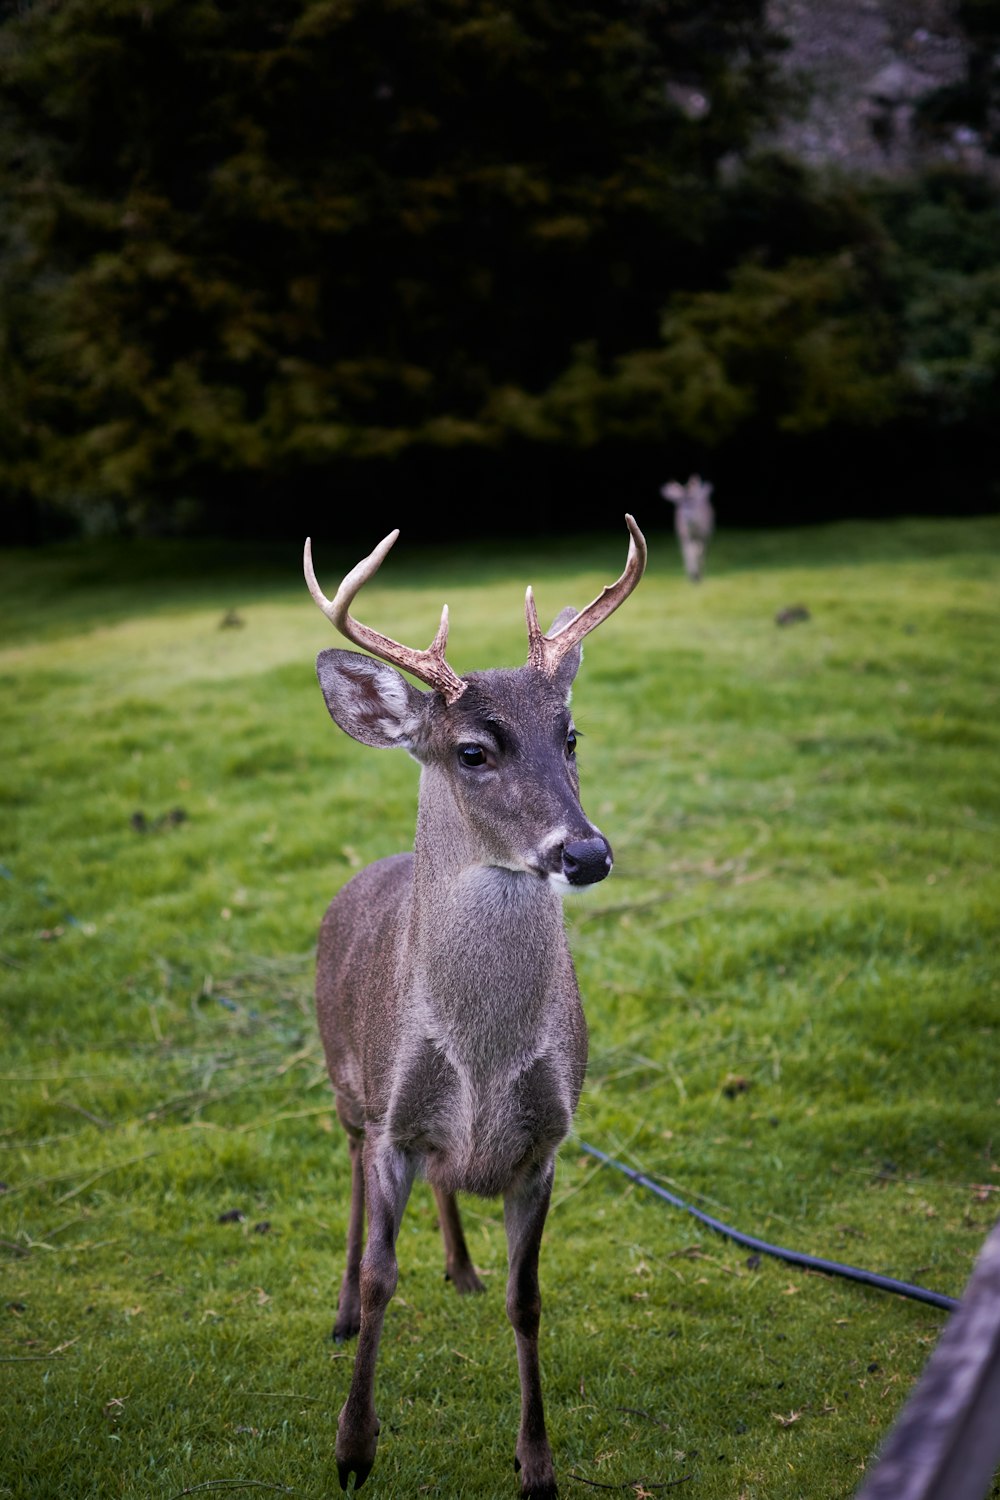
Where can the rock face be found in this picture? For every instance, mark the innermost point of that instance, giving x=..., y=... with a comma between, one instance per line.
x=867, y=66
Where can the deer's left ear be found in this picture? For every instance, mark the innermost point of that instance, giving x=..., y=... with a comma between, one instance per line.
x=570, y=664
x=370, y=701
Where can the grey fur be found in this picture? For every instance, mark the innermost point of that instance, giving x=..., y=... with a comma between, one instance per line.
x=694, y=521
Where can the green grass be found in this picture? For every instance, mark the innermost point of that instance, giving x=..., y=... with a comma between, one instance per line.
x=791, y=981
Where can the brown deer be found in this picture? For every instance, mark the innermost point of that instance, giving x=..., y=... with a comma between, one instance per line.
x=694, y=521
x=447, y=1002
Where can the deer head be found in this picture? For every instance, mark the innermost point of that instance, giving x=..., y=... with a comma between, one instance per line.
x=500, y=783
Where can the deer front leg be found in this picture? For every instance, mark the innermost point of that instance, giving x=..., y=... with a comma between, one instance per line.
x=458, y=1267
x=525, y=1208
x=388, y=1176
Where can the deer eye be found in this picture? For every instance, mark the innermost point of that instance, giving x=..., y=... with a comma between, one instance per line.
x=571, y=742
x=472, y=755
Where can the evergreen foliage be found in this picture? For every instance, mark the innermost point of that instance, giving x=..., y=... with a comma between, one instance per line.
x=256, y=250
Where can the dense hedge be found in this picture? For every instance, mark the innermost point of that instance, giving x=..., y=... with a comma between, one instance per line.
x=499, y=255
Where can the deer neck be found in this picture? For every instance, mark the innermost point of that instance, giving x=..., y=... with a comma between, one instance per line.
x=486, y=942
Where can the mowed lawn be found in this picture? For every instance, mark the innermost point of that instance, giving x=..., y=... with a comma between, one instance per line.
x=791, y=981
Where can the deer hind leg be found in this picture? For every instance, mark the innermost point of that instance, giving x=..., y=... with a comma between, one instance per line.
x=458, y=1267
x=694, y=556
x=349, y=1301
x=525, y=1208
x=388, y=1176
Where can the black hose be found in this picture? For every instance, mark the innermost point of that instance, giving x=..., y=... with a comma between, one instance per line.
x=793, y=1257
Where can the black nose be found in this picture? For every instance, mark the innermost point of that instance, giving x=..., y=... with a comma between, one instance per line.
x=586, y=861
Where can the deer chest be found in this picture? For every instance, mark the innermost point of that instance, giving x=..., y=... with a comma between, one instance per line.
x=474, y=1130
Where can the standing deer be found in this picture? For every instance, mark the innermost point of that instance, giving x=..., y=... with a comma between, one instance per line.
x=694, y=521
x=447, y=1002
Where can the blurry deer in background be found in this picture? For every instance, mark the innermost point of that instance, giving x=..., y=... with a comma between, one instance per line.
x=694, y=521
x=447, y=1002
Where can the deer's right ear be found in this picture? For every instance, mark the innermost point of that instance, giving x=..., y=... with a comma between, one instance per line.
x=570, y=664
x=370, y=701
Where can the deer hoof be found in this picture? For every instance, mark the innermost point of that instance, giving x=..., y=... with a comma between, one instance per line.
x=355, y=1450
x=348, y=1320
x=538, y=1480
x=545, y=1490
x=345, y=1468
x=464, y=1279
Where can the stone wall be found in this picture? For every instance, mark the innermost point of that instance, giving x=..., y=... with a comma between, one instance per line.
x=867, y=65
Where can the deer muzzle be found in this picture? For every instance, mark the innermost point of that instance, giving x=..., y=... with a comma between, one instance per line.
x=586, y=861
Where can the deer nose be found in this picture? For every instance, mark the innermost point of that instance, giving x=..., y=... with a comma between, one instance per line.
x=586, y=861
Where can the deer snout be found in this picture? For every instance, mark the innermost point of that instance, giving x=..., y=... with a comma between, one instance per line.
x=585, y=861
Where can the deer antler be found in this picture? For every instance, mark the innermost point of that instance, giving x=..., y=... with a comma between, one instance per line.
x=545, y=652
x=430, y=665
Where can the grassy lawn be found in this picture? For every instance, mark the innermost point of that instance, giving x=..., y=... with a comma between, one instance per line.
x=791, y=981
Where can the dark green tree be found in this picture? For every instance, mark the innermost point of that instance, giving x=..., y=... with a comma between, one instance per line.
x=254, y=244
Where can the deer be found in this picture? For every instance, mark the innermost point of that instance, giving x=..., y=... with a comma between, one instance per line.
x=694, y=521
x=446, y=997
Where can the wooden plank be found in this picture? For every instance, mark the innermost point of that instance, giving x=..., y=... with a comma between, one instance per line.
x=946, y=1443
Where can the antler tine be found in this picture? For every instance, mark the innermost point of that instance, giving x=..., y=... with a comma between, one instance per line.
x=429, y=666
x=545, y=652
